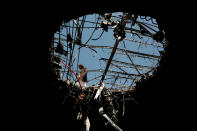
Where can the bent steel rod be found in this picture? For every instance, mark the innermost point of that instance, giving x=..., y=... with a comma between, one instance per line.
x=109, y=60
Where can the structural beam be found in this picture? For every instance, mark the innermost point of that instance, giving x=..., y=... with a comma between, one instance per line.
x=125, y=63
x=113, y=72
x=109, y=60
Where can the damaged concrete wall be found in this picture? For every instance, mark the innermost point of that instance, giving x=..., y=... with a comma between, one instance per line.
x=155, y=96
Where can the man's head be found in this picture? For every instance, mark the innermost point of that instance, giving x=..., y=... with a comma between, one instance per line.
x=81, y=66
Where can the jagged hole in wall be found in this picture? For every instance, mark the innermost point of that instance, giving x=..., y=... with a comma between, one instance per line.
x=89, y=40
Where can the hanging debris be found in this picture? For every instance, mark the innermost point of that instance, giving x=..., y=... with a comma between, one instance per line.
x=104, y=25
x=69, y=38
x=108, y=118
x=107, y=16
x=159, y=36
x=119, y=63
x=99, y=91
x=60, y=49
x=119, y=32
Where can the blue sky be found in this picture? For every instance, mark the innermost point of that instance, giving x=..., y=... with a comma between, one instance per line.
x=90, y=59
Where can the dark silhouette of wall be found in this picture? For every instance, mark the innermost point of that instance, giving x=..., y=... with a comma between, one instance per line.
x=159, y=98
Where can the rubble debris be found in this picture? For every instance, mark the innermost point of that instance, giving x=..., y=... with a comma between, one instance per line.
x=99, y=91
x=108, y=118
x=108, y=102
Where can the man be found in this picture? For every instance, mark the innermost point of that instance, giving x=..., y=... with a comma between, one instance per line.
x=83, y=79
x=83, y=75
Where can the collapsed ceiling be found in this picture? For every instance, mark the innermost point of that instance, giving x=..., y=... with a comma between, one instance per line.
x=111, y=101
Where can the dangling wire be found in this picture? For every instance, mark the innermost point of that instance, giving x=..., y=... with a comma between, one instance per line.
x=114, y=81
x=73, y=73
x=93, y=30
x=78, y=59
x=123, y=102
x=80, y=35
x=99, y=36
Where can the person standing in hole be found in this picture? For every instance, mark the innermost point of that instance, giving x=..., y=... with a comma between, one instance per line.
x=83, y=75
x=83, y=80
